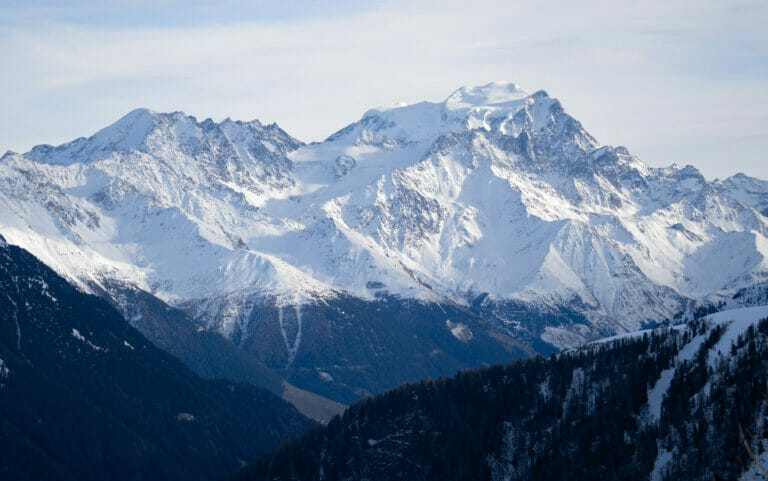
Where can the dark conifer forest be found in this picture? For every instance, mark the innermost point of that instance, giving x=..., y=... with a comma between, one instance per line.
x=84, y=396
x=578, y=415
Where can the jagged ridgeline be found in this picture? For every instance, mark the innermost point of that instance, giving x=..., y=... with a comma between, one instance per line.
x=494, y=205
x=662, y=405
x=84, y=396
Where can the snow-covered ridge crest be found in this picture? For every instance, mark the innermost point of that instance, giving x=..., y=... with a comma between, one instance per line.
x=486, y=107
x=140, y=128
x=494, y=94
x=495, y=198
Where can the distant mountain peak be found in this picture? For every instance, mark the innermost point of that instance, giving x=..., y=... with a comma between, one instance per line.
x=130, y=130
x=176, y=131
x=491, y=94
x=496, y=106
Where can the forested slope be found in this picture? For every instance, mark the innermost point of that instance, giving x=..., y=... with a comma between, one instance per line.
x=663, y=404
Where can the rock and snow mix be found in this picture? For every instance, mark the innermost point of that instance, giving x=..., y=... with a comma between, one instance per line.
x=494, y=191
x=735, y=323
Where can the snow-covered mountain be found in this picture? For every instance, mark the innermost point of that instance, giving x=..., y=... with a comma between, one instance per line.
x=495, y=200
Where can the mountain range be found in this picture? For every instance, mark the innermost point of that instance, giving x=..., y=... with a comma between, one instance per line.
x=417, y=241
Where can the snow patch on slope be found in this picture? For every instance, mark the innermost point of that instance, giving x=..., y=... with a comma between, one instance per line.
x=76, y=334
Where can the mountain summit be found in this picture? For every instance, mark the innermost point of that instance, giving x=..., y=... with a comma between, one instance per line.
x=495, y=202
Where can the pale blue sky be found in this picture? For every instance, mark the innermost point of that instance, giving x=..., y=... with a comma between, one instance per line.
x=682, y=81
x=128, y=14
